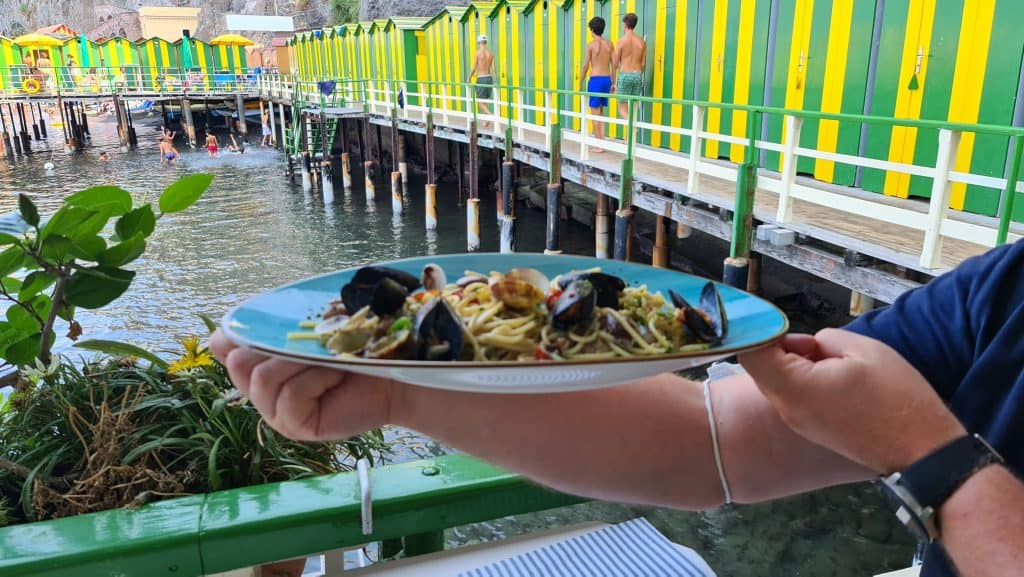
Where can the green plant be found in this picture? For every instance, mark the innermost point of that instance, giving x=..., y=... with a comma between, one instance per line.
x=113, y=433
x=69, y=262
x=344, y=11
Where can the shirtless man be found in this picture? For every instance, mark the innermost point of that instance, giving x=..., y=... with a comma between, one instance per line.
x=483, y=69
x=211, y=144
x=628, y=60
x=168, y=154
x=598, y=63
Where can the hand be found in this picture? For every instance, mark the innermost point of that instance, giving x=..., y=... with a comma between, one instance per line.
x=855, y=396
x=612, y=91
x=304, y=402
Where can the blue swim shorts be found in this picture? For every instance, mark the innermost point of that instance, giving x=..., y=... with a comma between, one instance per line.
x=599, y=84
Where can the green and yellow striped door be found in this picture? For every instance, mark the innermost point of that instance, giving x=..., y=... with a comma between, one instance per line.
x=671, y=56
x=733, y=57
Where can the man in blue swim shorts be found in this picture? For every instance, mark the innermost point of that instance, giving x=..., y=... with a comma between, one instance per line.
x=598, y=64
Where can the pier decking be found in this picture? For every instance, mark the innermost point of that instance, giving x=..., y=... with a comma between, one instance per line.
x=875, y=245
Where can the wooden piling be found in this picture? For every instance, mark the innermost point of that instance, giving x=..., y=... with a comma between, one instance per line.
x=860, y=304
x=42, y=123
x=736, y=271
x=461, y=169
x=35, y=122
x=281, y=142
x=367, y=144
x=623, y=232
x=396, y=193
x=431, y=206
x=25, y=140
x=84, y=122
x=659, y=257
x=307, y=177
x=601, y=226
x=5, y=135
x=403, y=165
x=553, y=240
x=243, y=126
x=187, y=124
x=327, y=181
x=473, y=203
x=380, y=147
x=371, y=188
x=472, y=225
x=507, y=221
x=754, y=273
x=346, y=171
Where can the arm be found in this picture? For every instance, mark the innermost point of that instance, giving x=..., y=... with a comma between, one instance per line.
x=648, y=442
x=982, y=529
x=586, y=68
x=615, y=63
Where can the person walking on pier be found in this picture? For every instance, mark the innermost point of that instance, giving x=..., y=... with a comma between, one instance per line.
x=483, y=69
x=628, y=60
x=598, y=64
x=211, y=144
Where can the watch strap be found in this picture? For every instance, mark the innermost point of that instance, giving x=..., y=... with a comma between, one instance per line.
x=935, y=477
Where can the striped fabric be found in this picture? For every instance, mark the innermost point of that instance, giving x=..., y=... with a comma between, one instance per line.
x=630, y=549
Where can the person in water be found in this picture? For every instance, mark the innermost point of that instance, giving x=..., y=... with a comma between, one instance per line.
x=211, y=144
x=103, y=157
x=598, y=65
x=267, y=132
x=168, y=154
x=628, y=59
x=483, y=69
x=234, y=146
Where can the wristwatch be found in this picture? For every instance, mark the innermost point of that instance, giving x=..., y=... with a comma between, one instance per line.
x=926, y=484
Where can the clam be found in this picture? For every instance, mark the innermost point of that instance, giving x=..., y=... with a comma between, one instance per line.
x=520, y=288
x=708, y=321
x=608, y=287
x=396, y=345
x=434, y=278
x=574, y=306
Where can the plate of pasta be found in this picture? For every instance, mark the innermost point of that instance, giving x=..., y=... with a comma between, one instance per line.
x=506, y=323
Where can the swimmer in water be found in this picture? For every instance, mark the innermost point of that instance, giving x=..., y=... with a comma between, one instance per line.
x=211, y=144
x=104, y=157
x=168, y=154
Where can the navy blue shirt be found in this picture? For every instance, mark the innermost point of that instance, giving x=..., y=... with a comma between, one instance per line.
x=964, y=332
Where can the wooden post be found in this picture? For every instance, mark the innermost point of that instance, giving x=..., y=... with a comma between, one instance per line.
x=601, y=226
x=327, y=181
x=371, y=188
x=380, y=148
x=270, y=119
x=507, y=221
x=346, y=171
x=623, y=233
x=430, y=190
x=659, y=258
x=5, y=133
x=754, y=274
x=396, y=193
x=25, y=140
x=307, y=177
x=403, y=166
x=35, y=122
x=860, y=304
x=188, y=124
x=473, y=203
x=553, y=243
x=431, y=206
x=461, y=168
x=281, y=143
x=243, y=126
x=42, y=123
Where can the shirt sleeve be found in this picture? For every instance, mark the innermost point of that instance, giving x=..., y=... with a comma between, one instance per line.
x=936, y=327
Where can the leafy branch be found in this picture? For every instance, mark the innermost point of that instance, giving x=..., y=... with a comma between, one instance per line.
x=68, y=263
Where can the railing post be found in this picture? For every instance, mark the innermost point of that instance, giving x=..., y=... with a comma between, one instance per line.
x=737, y=266
x=1010, y=193
x=584, y=129
x=693, y=179
x=520, y=114
x=949, y=146
x=789, y=162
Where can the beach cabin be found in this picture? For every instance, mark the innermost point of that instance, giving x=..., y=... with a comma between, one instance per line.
x=407, y=40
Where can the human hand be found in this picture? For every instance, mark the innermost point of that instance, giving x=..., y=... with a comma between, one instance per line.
x=855, y=396
x=612, y=90
x=304, y=402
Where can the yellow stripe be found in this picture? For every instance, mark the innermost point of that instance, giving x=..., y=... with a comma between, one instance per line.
x=796, y=86
x=165, y=54
x=503, y=66
x=446, y=33
x=741, y=94
x=679, y=55
x=835, y=78
x=201, y=59
x=717, y=64
x=908, y=102
x=577, y=40
x=153, y=71
x=223, y=55
x=553, y=56
x=613, y=105
x=968, y=80
x=660, y=17
x=515, y=60
x=539, y=76
x=113, y=60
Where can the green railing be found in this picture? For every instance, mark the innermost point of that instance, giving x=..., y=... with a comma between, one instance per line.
x=186, y=537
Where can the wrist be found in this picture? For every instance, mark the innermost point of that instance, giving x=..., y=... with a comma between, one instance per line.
x=912, y=447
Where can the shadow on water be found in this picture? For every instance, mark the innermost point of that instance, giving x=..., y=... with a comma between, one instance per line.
x=253, y=230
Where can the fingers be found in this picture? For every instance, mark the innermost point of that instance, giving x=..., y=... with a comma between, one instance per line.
x=835, y=343
x=801, y=344
x=266, y=379
x=220, y=345
x=774, y=368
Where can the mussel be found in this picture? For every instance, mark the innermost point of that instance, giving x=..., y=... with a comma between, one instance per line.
x=608, y=287
x=575, y=306
x=708, y=321
x=520, y=288
x=382, y=289
x=434, y=278
x=438, y=332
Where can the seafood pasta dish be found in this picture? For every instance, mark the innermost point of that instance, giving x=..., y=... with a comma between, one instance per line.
x=384, y=313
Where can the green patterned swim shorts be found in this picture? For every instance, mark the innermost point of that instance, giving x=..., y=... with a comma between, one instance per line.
x=484, y=92
x=630, y=84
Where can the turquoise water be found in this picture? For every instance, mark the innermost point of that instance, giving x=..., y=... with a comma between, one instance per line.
x=253, y=231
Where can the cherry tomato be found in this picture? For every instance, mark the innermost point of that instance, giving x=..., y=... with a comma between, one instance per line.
x=541, y=355
x=553, y=297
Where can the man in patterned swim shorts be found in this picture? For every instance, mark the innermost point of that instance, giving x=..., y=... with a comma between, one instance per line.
x=629, y=59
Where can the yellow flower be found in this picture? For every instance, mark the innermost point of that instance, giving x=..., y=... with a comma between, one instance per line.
x=193, y=357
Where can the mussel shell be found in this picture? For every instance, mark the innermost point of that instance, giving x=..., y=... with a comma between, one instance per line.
x=434, y=278
x=711, y=303
x=608, y=287
x=437, y=332
x=397, y=345
x=388, y=297
x=574, y=306
x=361, y=290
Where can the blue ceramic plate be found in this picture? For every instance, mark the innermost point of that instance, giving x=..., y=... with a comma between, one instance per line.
x=263, y=323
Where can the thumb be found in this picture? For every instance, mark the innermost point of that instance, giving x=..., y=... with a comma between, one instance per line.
x=773, y=368
x=837, y=343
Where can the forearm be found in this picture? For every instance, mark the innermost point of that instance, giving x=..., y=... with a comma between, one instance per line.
x=982, y=528
x=648, y=442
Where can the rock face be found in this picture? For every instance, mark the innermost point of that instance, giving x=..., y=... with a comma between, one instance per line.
x=373, y=9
